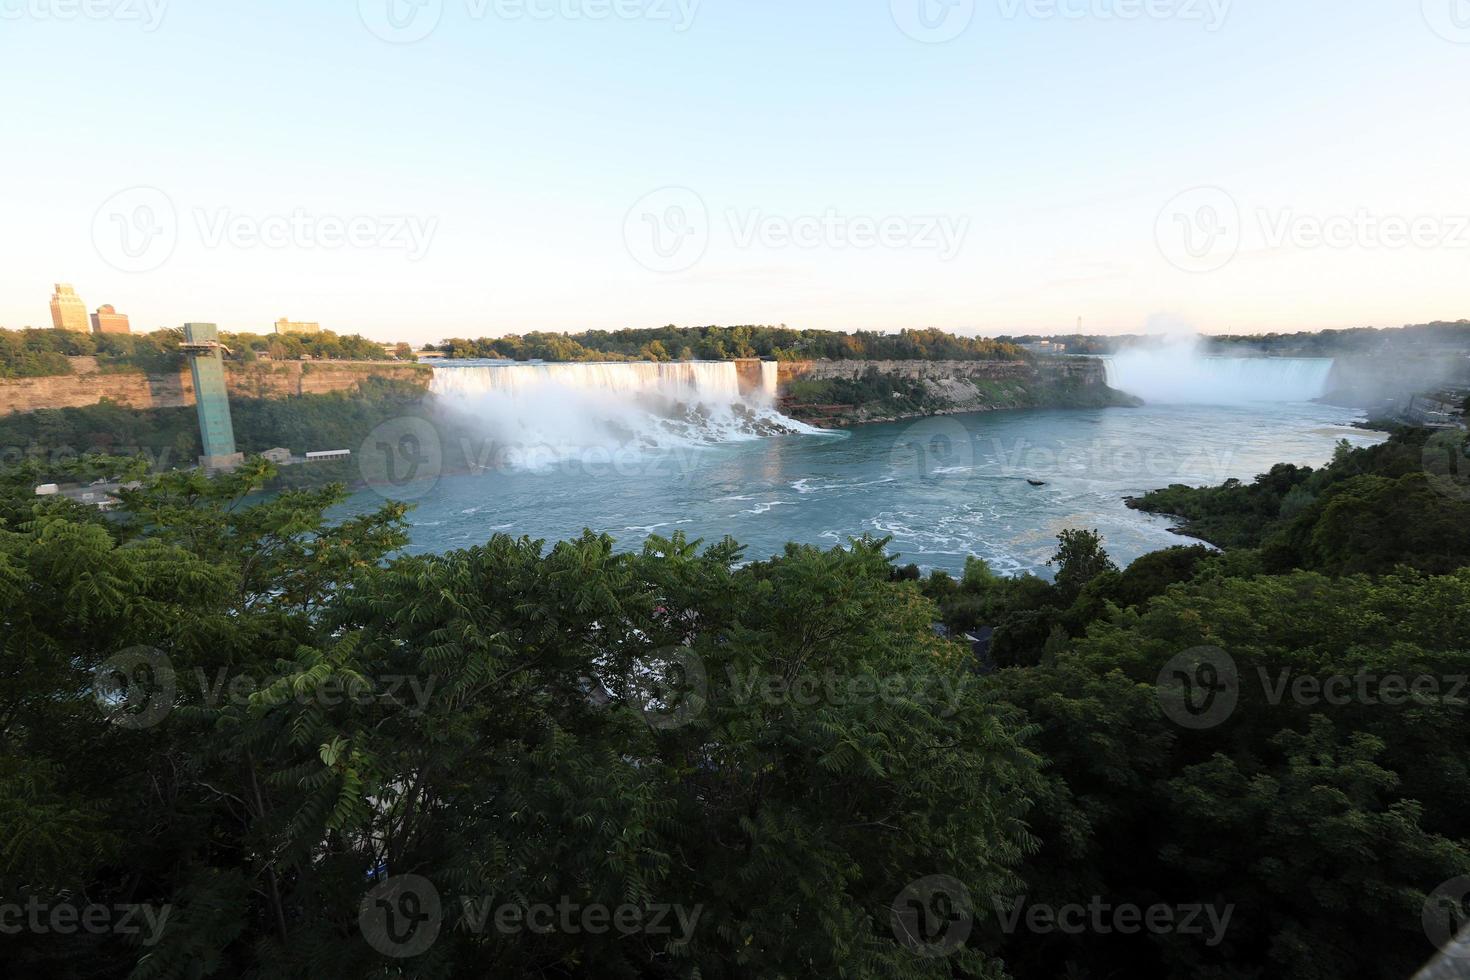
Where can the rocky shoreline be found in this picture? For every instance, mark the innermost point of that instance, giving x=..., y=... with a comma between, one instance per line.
x=839, y=402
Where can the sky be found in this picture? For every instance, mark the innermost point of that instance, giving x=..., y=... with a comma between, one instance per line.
x=423, y=169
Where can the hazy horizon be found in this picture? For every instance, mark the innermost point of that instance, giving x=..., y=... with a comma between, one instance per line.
x=1154, y=331
x=985, y=168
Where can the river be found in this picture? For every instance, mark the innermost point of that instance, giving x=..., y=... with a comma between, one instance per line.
x=942, y=488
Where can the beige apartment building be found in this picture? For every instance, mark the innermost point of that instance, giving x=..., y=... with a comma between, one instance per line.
x=68, y=312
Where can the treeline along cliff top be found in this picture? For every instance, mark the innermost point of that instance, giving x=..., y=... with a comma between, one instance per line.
x=724, y=343
x=32, y=353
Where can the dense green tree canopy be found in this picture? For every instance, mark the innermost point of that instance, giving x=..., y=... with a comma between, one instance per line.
x=724, y=343
x=515, y=725
x=40, y=353
x=305, y=754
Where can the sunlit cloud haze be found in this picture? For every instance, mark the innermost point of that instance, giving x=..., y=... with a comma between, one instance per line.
x=476, y=167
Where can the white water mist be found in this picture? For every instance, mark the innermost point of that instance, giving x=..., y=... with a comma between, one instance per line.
x=1178, y=373
x=556, y=411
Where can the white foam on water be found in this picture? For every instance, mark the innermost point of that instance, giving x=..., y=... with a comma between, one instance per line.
x=556, y=411
x=769, y=506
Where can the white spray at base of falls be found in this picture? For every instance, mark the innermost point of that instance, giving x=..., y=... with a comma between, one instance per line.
x=545, y=413
x=1179, y=374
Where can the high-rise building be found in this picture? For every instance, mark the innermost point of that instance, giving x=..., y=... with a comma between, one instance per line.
x=207, y=364
x=68, y=312
x=293, y=326
x=109, y=320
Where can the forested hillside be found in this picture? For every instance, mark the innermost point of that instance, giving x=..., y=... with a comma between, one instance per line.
x=305, y=755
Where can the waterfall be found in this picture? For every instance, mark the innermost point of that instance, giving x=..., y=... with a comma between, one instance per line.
x=555, y=411
x=1181, y=376
x=770, y=373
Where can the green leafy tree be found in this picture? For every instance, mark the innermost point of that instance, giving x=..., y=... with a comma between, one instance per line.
x=1080, y=558
x=513, y=724
x=1274, y=808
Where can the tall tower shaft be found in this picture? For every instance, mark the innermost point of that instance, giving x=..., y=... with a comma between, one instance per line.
x=207, y=365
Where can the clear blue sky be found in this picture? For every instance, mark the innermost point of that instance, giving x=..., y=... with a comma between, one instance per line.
x=497, y=165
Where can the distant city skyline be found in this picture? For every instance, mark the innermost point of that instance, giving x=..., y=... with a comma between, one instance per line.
x=983, y=168
x=67, y=306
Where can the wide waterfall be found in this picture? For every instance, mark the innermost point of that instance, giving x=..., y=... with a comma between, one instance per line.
x=545, y=413
x=1175, y=375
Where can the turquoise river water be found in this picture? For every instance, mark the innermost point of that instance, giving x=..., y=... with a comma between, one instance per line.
x=942, y=488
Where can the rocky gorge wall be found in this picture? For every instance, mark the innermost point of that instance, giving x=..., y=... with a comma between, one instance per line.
x=175, y=389
x=841, y=393
x=1387, y=385
x=821, y=392
x=1085, y=369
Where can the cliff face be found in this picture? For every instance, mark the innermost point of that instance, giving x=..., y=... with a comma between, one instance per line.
x=1086, y=370
x=176, y=389
x=842, y=393
x=1387, y=384
x=853, y=370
